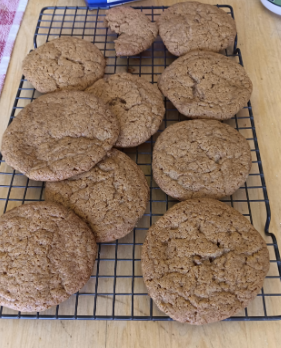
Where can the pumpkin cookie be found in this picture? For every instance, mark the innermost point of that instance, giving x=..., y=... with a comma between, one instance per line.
x=111, y=197
x=201, y=158
x=59, y=135
x=136, y=31
x=203, y=261
x=138, y=105
x=47, y=253
x=204, y=84
x=189, y=26
x=66, y=63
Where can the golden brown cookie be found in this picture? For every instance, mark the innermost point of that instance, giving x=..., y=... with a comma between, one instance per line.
x=200, y=158
x=66, y=63
x=138, y=105
x=203, y=261
x=204, y=84
x=189, y=26
x=47, y=253
x=111, y=197
x=136, y=31
x=59, y=135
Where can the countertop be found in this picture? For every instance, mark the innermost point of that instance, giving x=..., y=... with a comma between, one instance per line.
x=259, y=33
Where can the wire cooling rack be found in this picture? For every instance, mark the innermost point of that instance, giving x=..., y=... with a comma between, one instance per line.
x=116, y=290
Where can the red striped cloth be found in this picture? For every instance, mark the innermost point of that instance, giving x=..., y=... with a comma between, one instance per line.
x=11, y=13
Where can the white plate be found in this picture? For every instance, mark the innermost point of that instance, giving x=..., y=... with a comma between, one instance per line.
x=276, y=8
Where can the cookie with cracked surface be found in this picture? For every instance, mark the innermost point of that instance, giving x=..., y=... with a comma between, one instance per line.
x=135, y=29
x=203, y=261
x=111, y=197
x=189, y=26
x=66, y=63
x=200, y=158
x=47, y=253
x=204, y=84
x=59, y=135
x=138, y=105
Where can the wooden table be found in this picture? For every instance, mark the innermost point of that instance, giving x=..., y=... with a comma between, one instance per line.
x=260, y=40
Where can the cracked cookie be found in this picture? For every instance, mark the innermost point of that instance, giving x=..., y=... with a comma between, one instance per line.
x=138, y=105
x=204, y=84
x=203, y=261
x=189, y=26
x=47, y=253
x=59, y=135
x=66, y=63
x=135, y=29
x=111, y=197
x=200, y=158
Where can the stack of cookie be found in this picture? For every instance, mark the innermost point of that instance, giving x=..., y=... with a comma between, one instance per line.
x=202, y=261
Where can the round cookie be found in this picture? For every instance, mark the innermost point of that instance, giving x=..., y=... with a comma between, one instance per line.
x=200, y=158
x=189, y=26
x=138, y=105
x=47, y=254
x=111, y=197
x=203, y=261
x=136, y=31
x=204, y=84
x=59, y=135
x=66, y=63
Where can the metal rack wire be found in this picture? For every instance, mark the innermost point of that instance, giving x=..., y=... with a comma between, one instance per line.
x=115, y=290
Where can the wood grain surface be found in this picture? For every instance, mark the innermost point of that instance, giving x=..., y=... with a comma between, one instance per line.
x=259, y=33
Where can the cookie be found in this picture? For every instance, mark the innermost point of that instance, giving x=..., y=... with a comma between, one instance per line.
x=204, y=84
x=47, y=253
x=59, y=135
x=203, y=261
x=138, y=105
x=66, y=63
x=136, y=31
x=111, y=197
x=189, y=26
x=200, y=158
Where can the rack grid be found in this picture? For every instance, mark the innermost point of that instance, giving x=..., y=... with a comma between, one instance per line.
x=116, y=290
